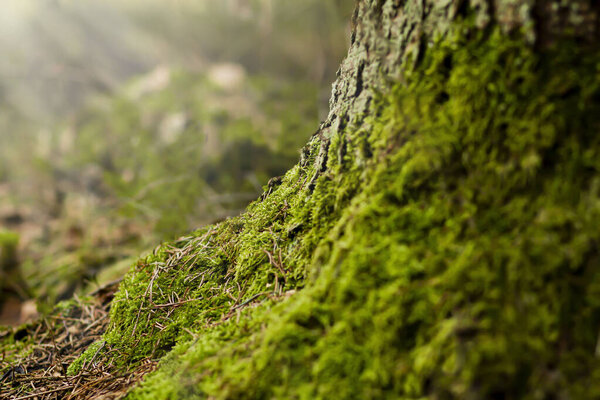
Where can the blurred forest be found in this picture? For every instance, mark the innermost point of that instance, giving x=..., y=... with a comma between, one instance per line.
x=124, y=123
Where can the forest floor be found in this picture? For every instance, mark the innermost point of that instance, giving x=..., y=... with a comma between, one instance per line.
x=58, y=339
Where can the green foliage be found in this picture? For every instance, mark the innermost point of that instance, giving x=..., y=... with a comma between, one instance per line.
x=8, y=250
x=449, y=250
x=168, y=154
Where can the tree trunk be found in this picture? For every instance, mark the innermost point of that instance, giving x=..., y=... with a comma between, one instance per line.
x=438, y=238
x=389, y=34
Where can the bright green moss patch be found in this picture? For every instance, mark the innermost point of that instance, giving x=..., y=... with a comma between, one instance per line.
x=203, y=280
x=447, y=248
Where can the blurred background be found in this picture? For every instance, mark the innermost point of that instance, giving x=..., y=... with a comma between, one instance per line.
x=127, y=122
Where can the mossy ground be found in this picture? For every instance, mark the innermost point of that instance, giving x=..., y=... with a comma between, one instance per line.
x=446, y=248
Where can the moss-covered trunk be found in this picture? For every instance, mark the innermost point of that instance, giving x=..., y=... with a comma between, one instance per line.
x=391, y=35
x=438, y=238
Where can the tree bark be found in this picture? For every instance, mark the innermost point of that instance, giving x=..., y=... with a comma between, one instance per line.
x=388, y=34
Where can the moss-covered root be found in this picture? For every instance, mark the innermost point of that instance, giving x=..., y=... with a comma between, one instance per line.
x=447, y=248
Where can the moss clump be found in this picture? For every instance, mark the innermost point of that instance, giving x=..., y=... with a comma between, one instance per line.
x=447, y=248
x=201, y=281
x=86, y=358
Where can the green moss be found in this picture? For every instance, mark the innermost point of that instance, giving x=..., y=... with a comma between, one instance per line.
x=447, y=248
x=8, y=249
x=86, y=358
x=203, y=280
